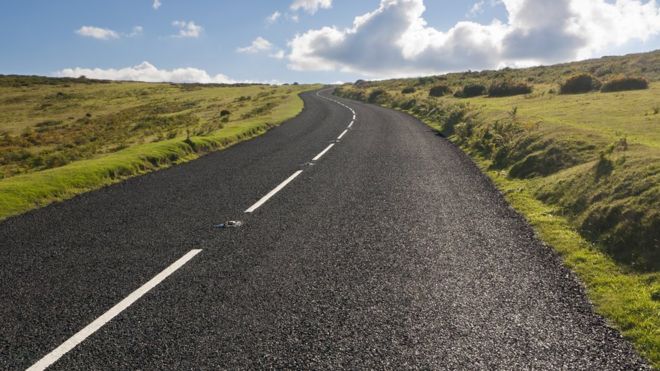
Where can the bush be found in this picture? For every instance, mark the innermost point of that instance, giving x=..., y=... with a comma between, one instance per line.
x=377, y=96
x=578, y=84
x=408, y=90
x=424, y=81
x=409, y=104
x=224, y=113
x=471, y=90
x=508, y=88
x=439, y=91
x=625, y=83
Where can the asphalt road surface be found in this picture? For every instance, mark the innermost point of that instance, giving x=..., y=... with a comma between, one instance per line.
x=390, y=250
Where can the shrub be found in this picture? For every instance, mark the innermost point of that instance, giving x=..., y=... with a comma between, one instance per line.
x=224, y=113
x=625, y=83
x=409, y=104
x=408, y=90
x=578, y=84
x=604, y=166
x=439, y=90
x=508, y=88
x=471, y=90
x=424, y=81
x=377, y=96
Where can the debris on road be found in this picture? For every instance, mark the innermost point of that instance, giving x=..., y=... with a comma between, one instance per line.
x=230, y=224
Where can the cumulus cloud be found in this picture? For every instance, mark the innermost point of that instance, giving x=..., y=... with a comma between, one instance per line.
x=273, y=17
x=137, y=31
x=187, y=29
x=149, y=73
x=310, y=6
x=258, y=45
x=97, y=33
x=395, y=40
x=479, y=7
x=156, y=4
x=280, y=54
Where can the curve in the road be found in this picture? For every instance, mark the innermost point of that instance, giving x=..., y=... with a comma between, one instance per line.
x=391, y=251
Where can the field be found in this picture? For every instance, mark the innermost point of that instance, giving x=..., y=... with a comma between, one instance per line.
x=583, y=168
x=61, y=137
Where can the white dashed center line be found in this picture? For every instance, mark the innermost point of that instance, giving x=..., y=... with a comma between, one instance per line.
x=273, y=192
x=318, y=157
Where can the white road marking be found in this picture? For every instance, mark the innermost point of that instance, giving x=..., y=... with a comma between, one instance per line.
x=273, y=192
x=83, y=334
x=318, y=157
x=351, y=124
x=342, y=134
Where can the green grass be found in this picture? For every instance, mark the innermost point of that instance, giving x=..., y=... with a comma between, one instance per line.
x=608, y=116
x=584, y=169
x=140, y=128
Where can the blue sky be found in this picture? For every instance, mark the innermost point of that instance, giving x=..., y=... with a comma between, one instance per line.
x=312, y=40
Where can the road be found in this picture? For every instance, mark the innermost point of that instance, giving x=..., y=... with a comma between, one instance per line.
x=389, y=250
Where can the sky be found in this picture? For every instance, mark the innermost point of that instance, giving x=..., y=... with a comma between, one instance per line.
x=307, y=41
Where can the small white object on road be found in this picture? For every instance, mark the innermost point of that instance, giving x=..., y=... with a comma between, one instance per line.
x=230, y=224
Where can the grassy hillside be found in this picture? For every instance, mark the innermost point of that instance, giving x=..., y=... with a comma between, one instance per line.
x=61, y=137
x=583, y=168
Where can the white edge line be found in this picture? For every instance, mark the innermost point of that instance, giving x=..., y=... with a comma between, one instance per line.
x=318, y=157
x=351, y=124
x=106, y=317
x=342, y=134
x=273, y=192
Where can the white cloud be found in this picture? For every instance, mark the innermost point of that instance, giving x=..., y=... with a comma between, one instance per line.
x=157, y=4
x=273, y=17
x=188, y=29
x=395, y=40
x=280, y=54
x=311, y=6
x=478, y=8
x=258, y=45
x=137, y=31
x=149, y=73
x=97, y=33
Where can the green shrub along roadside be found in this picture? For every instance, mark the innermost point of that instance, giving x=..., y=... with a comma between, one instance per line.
x=439, y=91
x=587, y=189
x=625, y=84
x=470, y=91
x=579, y=84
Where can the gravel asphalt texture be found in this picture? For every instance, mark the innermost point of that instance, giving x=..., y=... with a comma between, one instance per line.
x=392, y=251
